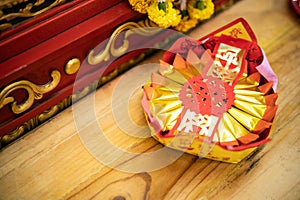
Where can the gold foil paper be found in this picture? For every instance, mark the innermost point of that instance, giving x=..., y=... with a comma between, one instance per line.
x=245, y=109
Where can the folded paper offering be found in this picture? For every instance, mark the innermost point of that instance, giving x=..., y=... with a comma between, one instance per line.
x=215, y=97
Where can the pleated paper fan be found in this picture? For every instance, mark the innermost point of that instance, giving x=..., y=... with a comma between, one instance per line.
x=209, y=99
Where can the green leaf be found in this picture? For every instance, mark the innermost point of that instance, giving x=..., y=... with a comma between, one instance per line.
x=162, y=6
x=200, y=5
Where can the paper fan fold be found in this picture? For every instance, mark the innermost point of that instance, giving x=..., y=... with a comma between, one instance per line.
x=213, y=102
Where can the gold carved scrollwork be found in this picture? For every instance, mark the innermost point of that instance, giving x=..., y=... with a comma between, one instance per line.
x=42, y=117
x=23, y=12
x=141, y=28
x=34, y=92
x=37, y=120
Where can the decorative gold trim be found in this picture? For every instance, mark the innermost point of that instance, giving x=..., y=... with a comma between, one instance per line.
x=5, y=26
x=34, y=92
x=142, y=27
x=39, y=119
x=72, y=66
x=23, y=12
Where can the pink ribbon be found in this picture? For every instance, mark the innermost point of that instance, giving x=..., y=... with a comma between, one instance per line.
x=265, y=69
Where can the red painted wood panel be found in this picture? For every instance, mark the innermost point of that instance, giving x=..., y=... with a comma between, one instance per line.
x=35, y=64
x=51, y=23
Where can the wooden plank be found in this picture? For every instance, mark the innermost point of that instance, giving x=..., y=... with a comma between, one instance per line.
x=52, y=163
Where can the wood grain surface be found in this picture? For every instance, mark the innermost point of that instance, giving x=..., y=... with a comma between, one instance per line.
x=55, y=162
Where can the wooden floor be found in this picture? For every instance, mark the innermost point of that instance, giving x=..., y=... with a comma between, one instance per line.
x=52, y=162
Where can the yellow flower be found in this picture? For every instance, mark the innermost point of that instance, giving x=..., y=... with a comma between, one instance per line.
x=140, y=5
x=203, y=13
x=164, y=19
x=186, y=24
